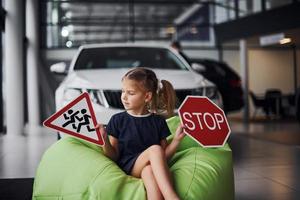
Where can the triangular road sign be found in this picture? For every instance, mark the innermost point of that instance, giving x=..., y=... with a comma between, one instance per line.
x=77, y=119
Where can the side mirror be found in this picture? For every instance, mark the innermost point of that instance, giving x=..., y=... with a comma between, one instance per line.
x=198, y=67
x=59, y=68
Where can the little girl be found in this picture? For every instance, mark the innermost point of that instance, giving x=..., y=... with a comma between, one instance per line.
x=137, y=136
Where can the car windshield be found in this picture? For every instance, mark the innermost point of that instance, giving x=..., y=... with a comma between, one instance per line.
x=128, y=57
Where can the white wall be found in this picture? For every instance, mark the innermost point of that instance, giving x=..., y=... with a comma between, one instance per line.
x=213, y=54
x=232, y=58
x=271, y=69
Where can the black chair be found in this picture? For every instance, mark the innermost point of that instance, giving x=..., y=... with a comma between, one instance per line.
x=259, y=103
x=273, y=98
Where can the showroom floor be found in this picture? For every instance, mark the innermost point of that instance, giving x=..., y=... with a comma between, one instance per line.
x=266, y=157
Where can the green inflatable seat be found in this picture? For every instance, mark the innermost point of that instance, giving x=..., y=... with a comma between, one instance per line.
x=72, y=169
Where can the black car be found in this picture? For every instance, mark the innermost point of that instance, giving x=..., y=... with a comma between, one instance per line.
x=225, y=78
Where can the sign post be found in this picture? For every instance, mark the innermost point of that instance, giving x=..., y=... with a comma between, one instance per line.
x=204, y=121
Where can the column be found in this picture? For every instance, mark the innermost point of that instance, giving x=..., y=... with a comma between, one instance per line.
x=13, y=64
x=32, y=62
x=245, y=77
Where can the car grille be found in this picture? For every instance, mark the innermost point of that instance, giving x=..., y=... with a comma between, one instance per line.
x=113, y=97
x=181, y=94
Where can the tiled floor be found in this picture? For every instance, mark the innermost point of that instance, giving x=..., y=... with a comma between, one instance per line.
x=266, y=163
x=20, y=155
x=263, y=169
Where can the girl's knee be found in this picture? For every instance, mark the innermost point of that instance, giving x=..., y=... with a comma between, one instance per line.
x=147, y=170
x=155, y=149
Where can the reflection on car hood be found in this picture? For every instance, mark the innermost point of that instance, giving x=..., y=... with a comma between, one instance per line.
x=110, y=79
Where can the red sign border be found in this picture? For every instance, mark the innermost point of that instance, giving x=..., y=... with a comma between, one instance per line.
x=204, y=97
x=48, y=122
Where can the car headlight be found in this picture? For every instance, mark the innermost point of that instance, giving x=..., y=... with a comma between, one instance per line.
x=71, y=93
x=211, y=92
x=96, y=96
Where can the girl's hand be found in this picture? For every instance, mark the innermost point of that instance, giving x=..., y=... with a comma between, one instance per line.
x=102, y=132
x=179, y=134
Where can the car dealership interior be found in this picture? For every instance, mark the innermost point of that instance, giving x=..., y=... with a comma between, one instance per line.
x=243, y=55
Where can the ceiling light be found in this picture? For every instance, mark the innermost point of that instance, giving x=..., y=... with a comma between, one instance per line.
x=68, y=14
x=64, y=32
x=285, y=40
x=170, y=30
x=69, y=44
x=271, y=39
x=193, y=30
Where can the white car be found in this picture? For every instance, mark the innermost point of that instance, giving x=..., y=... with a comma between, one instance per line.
x=98, y=70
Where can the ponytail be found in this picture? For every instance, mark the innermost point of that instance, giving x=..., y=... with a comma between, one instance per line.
x=166, y=98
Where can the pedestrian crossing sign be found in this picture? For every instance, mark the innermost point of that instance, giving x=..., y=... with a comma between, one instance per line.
x=77, y=119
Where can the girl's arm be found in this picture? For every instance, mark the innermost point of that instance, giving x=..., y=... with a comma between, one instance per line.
x=171, y=148
x=110, y=147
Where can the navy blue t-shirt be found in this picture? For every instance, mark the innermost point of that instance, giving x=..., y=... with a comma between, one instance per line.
x=135, y=134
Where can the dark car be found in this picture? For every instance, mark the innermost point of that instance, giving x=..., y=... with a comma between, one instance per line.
x=225, y=78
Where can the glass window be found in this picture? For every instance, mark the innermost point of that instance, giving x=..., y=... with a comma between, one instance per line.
x=127, y=57
x=224, y=11
x=248, y=7
x=71, y=24
x=270, y=4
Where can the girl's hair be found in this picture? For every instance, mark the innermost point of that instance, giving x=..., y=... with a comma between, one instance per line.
x=163, y=94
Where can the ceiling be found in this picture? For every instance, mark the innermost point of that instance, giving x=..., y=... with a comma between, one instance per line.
x=95, y=21
x=74, y=22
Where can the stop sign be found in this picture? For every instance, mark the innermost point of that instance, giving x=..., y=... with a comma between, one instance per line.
x=204, y=121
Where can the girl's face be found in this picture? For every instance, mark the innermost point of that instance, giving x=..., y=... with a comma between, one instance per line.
x=134, y=97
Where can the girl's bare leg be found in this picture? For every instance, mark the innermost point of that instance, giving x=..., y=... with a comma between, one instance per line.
x=153, y=191
x=155, y=157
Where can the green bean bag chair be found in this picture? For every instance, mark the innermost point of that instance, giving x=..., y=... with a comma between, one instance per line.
x=72, y=169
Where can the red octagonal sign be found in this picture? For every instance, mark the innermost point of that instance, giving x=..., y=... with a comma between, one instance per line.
x=204, y=121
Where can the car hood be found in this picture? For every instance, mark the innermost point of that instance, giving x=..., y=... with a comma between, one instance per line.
x=110, y=79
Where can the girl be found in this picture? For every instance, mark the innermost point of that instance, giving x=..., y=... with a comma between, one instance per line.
x=137, y=137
